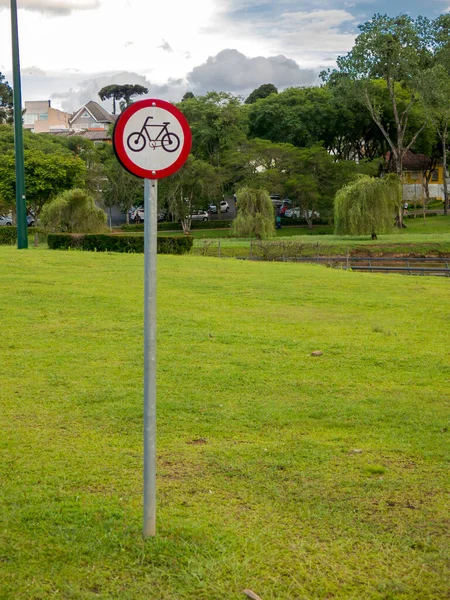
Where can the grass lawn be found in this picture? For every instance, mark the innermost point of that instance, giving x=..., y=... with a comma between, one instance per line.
x=295, y=476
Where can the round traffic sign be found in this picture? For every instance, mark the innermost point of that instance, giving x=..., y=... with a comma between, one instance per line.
x=152, y=139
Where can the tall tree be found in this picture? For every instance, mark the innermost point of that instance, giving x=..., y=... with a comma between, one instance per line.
x=6, y=101
x=121, y=94
x=395, y=49
x=434, y=85
x=262, y=92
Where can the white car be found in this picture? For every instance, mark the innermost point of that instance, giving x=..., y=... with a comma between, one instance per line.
x=5, y=220
x=199, y=215
x=224, y=207
x=294, y=213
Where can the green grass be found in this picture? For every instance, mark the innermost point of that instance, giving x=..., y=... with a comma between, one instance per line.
x=298, y=477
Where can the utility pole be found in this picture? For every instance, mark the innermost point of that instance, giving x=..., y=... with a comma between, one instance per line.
x=21, y=210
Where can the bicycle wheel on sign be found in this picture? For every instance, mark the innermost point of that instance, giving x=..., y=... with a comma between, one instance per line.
x=170, y=142
x=136, y=141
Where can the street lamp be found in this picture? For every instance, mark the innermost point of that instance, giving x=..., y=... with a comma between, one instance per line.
x=21, y=211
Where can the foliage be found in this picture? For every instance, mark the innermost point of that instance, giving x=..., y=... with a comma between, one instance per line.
x=46, y=175
x=261, y=92
x=218, y=123
x=434, y=86
x=73, y=211
x=256, y=214
x=6, y=101
x=367, y=206
x=394, y=49
x=298, y=116
x=121, y=187
x=117, y=243
x=122, y=94
x=190, y=188
x=8, y=235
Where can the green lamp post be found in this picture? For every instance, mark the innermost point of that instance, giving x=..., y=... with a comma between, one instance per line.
x=21, y=210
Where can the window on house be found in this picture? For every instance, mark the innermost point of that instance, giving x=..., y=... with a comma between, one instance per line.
x=30, y=118
x=43, y=117
x=86, y=115
x=415, y=175
x=434, y=176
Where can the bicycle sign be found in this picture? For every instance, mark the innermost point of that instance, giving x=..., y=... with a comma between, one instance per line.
x=152, y=139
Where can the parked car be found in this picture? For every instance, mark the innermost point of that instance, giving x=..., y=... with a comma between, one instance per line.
x=4, y=220
x=199, y=215
x=224, y=207
x=294, y=213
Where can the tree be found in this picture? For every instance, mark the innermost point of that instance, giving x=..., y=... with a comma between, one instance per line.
x=298, y=116
x=190, y=188
x=256, y=214
x=367, y=206
x=122, y=188
x=73, y=211
x=122, y=92
x=188, y=96
x=46, y=175
x=6, y=101
x=262, y=92
x=395, y=49
x=434, y=85
x=218, y=124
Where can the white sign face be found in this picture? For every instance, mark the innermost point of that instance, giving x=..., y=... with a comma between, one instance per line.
x=152, y=139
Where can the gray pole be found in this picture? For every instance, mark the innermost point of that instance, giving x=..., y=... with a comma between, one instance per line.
x=151, y=247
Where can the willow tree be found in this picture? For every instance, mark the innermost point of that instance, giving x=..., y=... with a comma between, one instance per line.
x=256, y=214
x=367, y=206
x=73, y=211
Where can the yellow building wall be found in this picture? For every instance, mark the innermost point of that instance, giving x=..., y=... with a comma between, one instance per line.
x=412, y=177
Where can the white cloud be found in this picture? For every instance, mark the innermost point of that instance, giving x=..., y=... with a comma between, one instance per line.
x=59, y=7
x=232, y=71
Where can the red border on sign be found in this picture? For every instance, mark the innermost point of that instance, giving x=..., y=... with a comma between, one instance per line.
x=118, y=139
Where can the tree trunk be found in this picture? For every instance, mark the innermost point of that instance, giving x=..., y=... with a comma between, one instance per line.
x=399, y=167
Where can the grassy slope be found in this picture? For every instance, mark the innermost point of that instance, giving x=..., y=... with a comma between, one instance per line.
x=275, y=500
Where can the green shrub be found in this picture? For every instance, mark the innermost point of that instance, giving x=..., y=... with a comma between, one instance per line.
x=116, y=243
x=8, y=235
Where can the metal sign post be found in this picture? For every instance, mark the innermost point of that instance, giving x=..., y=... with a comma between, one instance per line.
x=152, y=140
x=150, y=254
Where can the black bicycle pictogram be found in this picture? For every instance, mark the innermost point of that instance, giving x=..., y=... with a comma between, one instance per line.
x=165, y=139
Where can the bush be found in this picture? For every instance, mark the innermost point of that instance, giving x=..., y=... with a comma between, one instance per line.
x=8, y=235
x=116, y=243
x=73, y=210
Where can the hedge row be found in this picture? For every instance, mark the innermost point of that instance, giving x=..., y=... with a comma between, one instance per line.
x=8, y=235
x=169, y=226
x=116, y=243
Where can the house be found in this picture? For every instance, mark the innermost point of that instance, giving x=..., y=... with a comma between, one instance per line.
x=40, y=117
x=91, y=117
x=419, y=172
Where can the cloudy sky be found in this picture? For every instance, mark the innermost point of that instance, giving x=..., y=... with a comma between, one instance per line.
x=72, y=48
